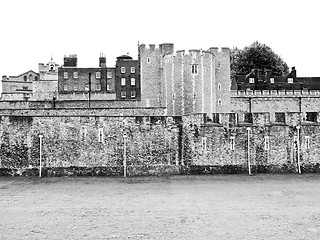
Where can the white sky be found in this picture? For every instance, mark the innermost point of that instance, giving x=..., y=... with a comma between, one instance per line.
x=32, y=31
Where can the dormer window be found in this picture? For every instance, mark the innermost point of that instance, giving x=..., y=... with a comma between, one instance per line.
x=251, y=80
x=271, y=80
x=290, y=80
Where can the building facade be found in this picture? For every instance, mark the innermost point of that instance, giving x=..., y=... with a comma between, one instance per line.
x=127, y=84
x=18, y=87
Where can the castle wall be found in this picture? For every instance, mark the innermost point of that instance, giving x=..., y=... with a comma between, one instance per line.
x=86, y=141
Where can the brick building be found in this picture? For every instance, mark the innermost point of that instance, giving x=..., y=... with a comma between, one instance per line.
x=127, y=84
x=265, y=80
x=73, y=79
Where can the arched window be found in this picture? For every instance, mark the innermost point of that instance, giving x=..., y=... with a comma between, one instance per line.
x=30, y=77
x=25, y=78
x=36, y=78
x=51, y=67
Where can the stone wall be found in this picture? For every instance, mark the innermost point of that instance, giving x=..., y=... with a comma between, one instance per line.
x=83, y=141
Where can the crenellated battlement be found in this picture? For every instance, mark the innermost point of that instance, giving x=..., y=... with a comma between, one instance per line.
x=275, y=93
x=164, y=48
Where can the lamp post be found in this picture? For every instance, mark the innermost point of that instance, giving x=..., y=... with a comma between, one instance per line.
x=125, y=154
x=40, y=167
x=298, y=148
x=249, y=165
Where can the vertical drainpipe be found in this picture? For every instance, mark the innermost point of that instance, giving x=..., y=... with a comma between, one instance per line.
x=298, y=148
x=89, y=93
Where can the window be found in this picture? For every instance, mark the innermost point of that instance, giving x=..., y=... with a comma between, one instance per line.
x=123, y=94
x=98, y=75
x=65, y=87
x=194, y=69
x=98, y=87
x=100, y=135
x=251, y=80
x=307, y=142
x=24, y=88
x=266, y=143
x=75, y=74
x=290, y=80
x=232, y=143
x=65, y=75
x=248, y=117
x=51, y=67
x=76, y=87
x=133, y=94
x=219, y=86
x=312, y=116
x=36, y=78
x=219, y=102
x=123, y=81
x=216, y=117
x=148, y=60
x=109, y=74
x=133, y=81
x=108, y=87
x=232, y=118
x=25, y=78
x=123, y=69
x=86, y=87
x=83, y=133
x=30, y=77
x=271, y=80
x=132, y=69
x=204, y=143
x=280, y=117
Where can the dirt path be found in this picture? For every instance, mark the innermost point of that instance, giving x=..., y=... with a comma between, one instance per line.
x=180, y=207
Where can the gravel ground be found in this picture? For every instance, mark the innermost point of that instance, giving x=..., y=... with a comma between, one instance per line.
x=176, y=207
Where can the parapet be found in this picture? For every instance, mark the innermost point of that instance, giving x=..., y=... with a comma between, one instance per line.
x=275, y=93
x=164, y=48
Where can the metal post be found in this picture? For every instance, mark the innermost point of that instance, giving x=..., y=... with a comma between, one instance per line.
x=298, y=148
x=249, y=165
x=125, y=155
x=40, y=167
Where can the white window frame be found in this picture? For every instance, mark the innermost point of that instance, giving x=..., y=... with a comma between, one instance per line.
x=86, y=87
x=98, y=87
x=123, y=70
x=307, y=142
x=123, y=81
x=133, y=94
x=133, y=70
x=65, y=75
x=65, y=87
x=251, y=80
x=109, y=74
x=204, y=143
x=75, y=75
x=232, y=143
x=98, y=75
x=123, y=94
x=271, y=80
x=266, y=143
x=290, y=80
x=100, y=135
x=133, y=81
x=108, y=87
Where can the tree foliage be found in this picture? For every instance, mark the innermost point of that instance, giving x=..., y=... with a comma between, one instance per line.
x=256, y=56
